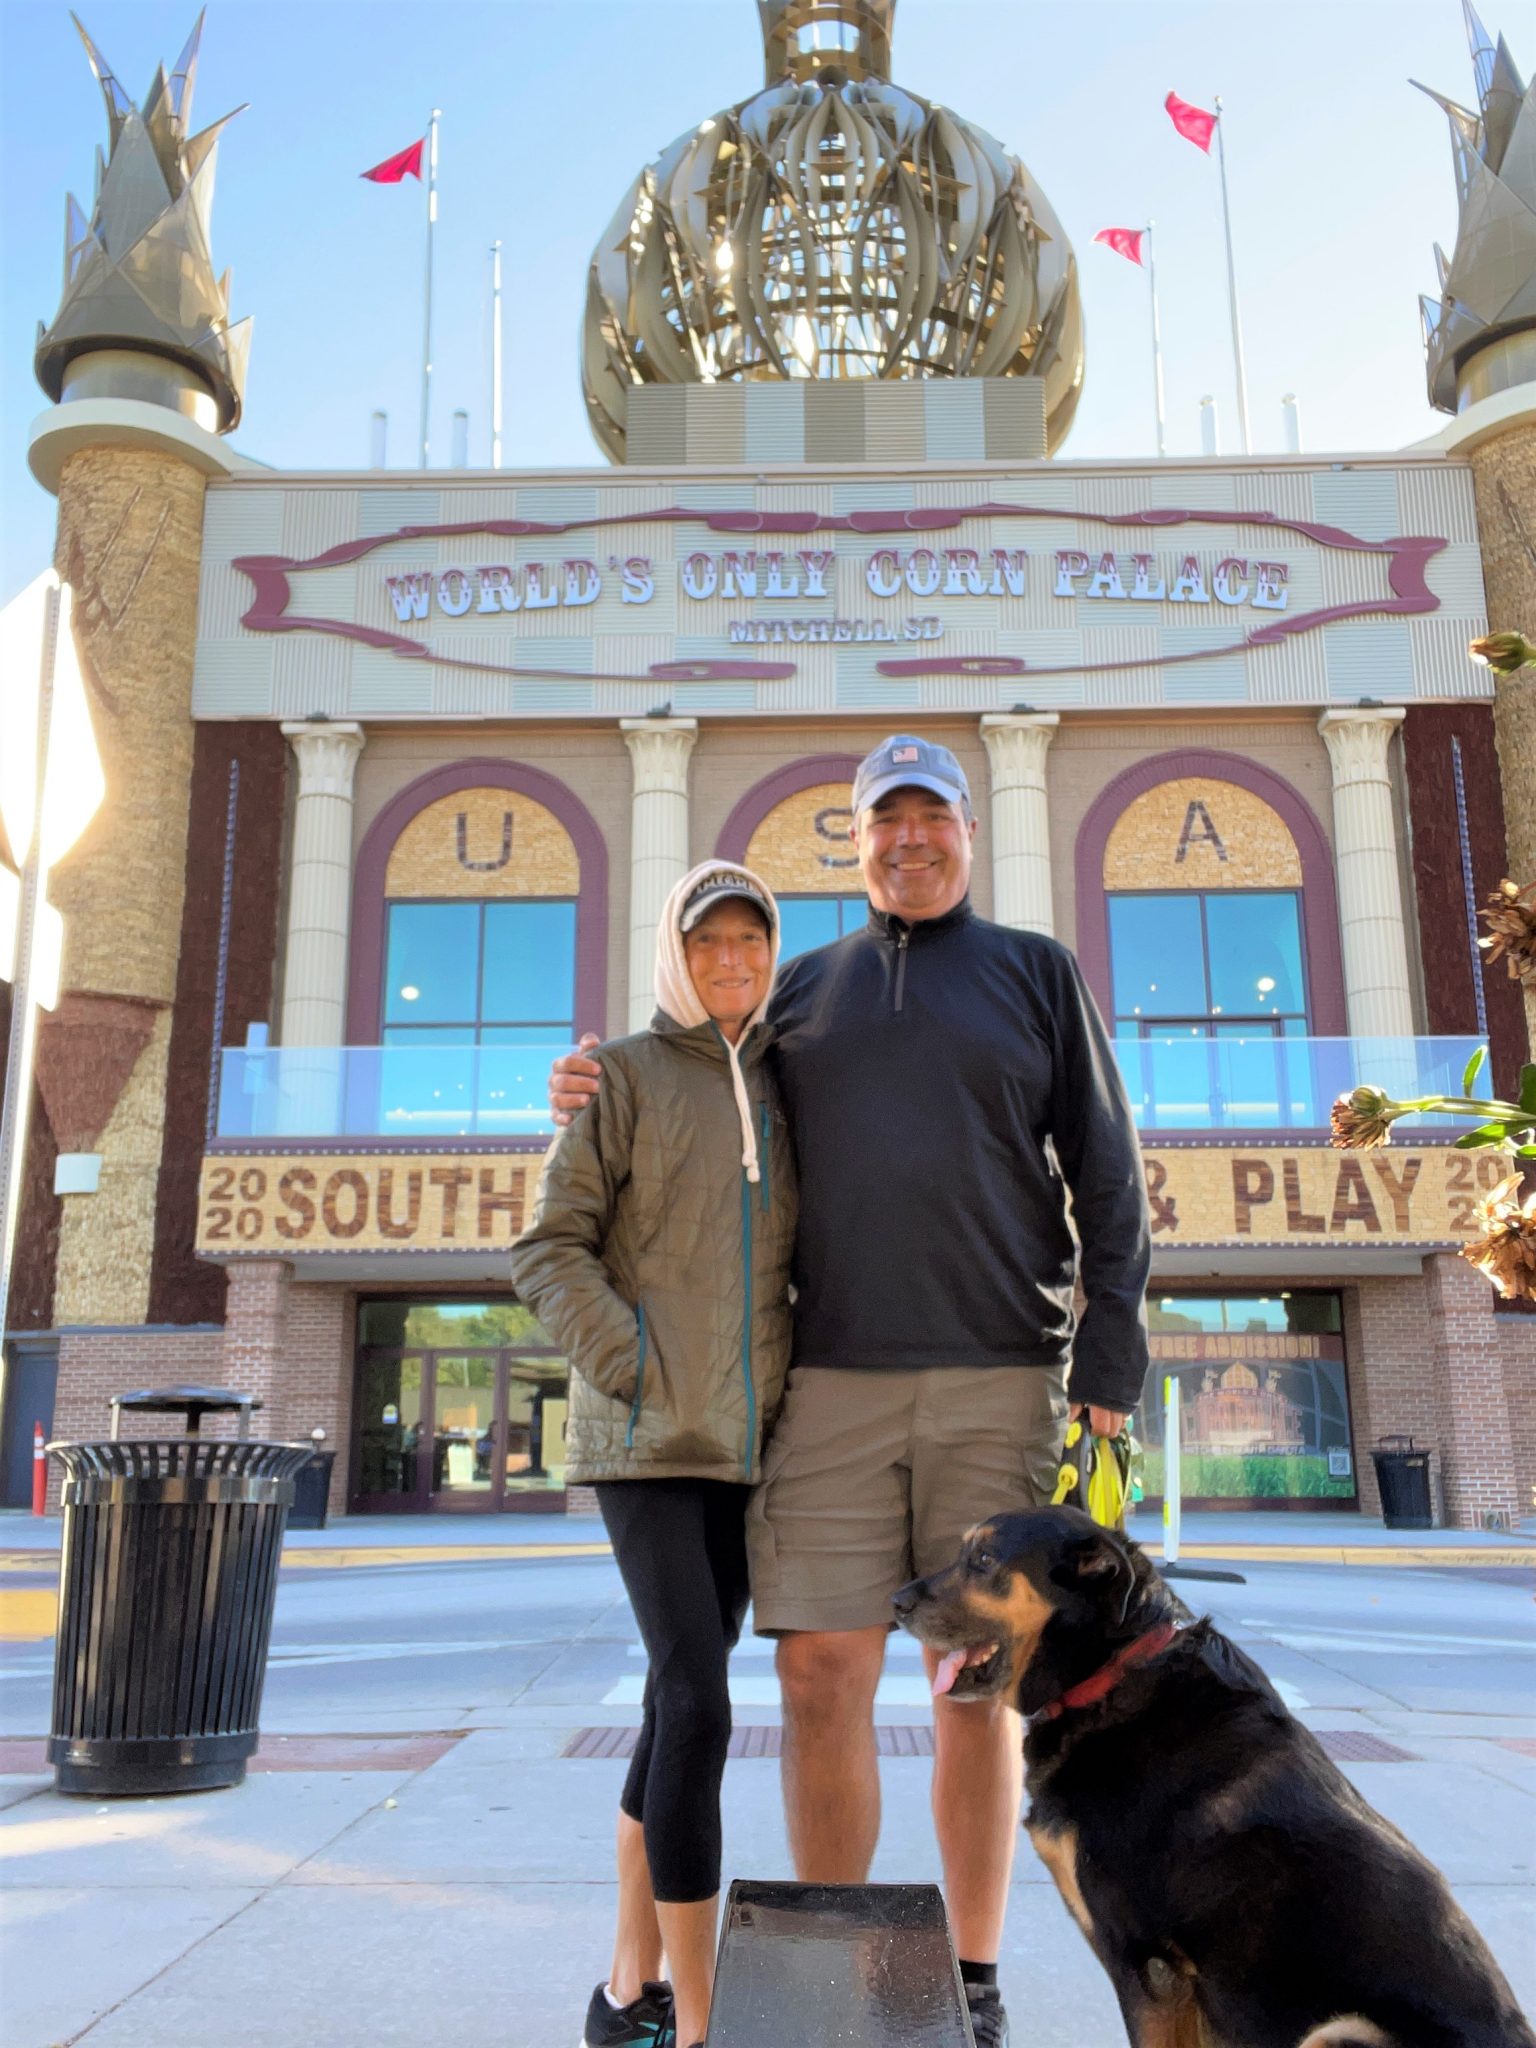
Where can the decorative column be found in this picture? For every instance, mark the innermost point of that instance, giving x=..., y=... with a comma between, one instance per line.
x=659, y=748
x=1504, y=487
x=1480, y=343
x=144, y=370
x=320, y=885
x=130, y=541
x=1016, y=743
x=1375, y=944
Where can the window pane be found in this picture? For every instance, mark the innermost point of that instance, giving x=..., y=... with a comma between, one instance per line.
x=1255, y=943
x=1155, y=955
x=806, y=922
x=432, y=959
x=530, y=963
x=1175, y=1312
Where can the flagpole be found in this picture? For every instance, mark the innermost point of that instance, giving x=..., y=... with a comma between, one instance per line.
x=426, y=345
x=1157, y=341
x=1237, y=326
x=495, y=355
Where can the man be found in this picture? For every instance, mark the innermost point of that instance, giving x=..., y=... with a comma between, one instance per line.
x=949, y=1086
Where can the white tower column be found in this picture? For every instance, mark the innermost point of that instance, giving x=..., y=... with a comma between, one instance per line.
x=320, y=886
x=1376, y=982
x=1016, y=743
x=659, y=749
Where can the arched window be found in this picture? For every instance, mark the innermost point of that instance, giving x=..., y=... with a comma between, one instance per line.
x=792, y=829
x=1209, y=933
x=478, y=946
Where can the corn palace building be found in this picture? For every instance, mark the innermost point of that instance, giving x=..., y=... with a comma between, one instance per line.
x=401, y=767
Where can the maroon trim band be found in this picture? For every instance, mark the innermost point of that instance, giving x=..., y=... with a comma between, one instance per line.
x=1319, y=900
x=365, y=996
x=764, y=796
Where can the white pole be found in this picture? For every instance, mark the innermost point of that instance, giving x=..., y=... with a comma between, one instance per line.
x=1157, y=343
x=1237, y=326
x=1173, y=1503
x=495, y=355
x=1210, y=436
x=1290, y=414
x=426, y=344
x=19, y=1063
x=378, y=446
x=460, y=457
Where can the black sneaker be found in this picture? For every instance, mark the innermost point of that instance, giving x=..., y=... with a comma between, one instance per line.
x=989, y=2017
x=641, y=2025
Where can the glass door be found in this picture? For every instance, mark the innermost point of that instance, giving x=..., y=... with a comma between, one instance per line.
x=465, y=1429
x=533, y=1467
x=392, y=1428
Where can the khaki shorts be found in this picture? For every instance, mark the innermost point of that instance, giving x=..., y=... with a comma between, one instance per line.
x=873, y=1477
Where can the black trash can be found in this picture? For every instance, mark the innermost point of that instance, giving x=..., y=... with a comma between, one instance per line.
x=169, y=1574
x=1402, y=1475
x=311, y=1491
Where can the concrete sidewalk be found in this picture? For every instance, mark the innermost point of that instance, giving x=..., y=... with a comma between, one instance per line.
x=423, y=1852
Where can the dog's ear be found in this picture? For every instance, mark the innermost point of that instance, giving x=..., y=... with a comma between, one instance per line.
x=1099, y=1567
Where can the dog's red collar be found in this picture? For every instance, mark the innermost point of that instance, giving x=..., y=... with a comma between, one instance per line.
x=1108, y=1676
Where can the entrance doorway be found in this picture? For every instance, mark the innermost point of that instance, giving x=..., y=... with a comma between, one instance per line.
x=472, y=1426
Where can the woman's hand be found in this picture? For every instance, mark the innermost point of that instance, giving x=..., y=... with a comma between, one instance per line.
x=573, y=1080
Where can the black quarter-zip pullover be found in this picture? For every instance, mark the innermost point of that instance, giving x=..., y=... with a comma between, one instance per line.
x=949, y=1083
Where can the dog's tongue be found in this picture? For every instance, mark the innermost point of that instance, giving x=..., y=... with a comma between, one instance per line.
x=948, y=1671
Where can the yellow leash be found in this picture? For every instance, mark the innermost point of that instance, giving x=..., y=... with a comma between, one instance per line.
x=1094, y=1474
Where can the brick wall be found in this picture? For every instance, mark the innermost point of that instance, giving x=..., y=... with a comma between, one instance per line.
x=1391, y=1391
x=1517, y=1342
x=96, y=1364
x=291, y=1343
x=1429, y=1358
x=1468, y=1356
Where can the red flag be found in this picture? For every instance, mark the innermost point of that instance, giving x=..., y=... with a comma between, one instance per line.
x=1193, y=123
x=394, y=168
x=1124, y=241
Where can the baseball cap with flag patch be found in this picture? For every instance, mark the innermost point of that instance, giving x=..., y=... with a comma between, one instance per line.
x=905, y=762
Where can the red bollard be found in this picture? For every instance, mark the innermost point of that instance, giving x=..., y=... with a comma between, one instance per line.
x=39, y=1471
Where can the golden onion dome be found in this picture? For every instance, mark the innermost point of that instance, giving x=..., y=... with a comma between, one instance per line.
x=832, y=226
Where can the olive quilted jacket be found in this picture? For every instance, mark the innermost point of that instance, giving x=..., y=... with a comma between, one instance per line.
x=659, y=1269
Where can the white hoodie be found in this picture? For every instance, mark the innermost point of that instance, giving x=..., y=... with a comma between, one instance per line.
x=677, y=995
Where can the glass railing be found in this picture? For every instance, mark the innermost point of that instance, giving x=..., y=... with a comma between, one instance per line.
x=499, y=1091
x=1264, y=1083
x=386, y=1091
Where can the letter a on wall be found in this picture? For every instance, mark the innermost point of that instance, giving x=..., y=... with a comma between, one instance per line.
x=1198, y=830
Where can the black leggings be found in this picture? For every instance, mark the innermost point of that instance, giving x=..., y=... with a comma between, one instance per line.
x=681, y=1546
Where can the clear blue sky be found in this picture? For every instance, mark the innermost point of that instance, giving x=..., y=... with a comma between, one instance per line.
x=1340, y=172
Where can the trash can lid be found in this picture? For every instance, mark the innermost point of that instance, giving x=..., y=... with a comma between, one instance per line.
x=190, y=1401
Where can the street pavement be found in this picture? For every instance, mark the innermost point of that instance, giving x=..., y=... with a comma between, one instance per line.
x=417, y=1859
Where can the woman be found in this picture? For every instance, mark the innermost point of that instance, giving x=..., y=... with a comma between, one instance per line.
x=658, y=1259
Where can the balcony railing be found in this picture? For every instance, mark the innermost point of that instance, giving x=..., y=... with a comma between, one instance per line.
x=1265, y=1083
x=386, y=1091
x=425, y=1092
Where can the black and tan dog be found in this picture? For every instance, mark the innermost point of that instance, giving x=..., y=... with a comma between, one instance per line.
x=1239, y=1891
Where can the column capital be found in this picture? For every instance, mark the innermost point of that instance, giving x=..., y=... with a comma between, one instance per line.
x=659, y=748
x=1016, y=740
x=1357, y=740
x=327, y=752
